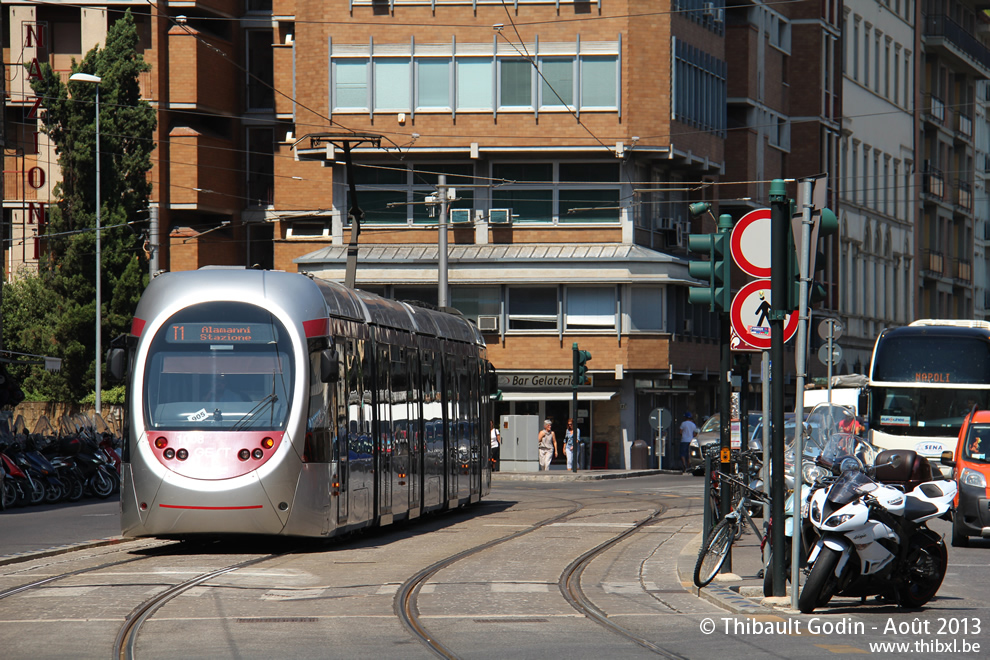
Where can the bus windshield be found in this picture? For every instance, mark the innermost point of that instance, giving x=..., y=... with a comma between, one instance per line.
x=923, y=411
x=219, y=366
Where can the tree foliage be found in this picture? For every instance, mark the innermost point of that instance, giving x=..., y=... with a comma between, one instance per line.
x=53, y=312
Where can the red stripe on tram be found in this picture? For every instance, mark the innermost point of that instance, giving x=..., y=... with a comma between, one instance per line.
x=212, y=508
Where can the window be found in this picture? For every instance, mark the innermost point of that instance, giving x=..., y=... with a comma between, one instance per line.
x=475, y=301
x=474, y=83
x=590, y=308
x=515, y=83
x=434, y=83
x=855, y=47
x=351, y=84
x=866, y=56
x=260, y=64
x=557, y=82
x=599, y=78
x=392, y=84
x=571, y=192
x=699, y=88
x=464, y=77
x=645, y=308
x=532, y=308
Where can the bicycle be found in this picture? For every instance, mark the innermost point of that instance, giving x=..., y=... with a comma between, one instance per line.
x=718, y=543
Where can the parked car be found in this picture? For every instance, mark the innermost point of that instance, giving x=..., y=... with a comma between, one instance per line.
x=971, y=516
x=709, y=434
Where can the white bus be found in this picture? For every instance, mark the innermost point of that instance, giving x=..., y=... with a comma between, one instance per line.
x=924, y=378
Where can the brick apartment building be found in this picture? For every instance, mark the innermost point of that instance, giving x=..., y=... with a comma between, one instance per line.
x=574, y=134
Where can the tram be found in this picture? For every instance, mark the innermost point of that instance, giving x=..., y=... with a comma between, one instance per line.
x=275, y=403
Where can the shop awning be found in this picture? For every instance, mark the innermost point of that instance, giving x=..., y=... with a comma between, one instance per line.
x=556, y=396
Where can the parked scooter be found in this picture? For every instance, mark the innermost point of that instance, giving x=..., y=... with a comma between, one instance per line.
x=874, y=540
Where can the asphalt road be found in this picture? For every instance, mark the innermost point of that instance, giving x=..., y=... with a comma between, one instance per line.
x=339, y=600
x=26, y=529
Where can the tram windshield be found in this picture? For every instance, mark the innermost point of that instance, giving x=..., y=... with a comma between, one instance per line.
x=219, y=366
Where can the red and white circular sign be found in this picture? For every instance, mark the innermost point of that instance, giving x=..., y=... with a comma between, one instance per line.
x=750, y=315
x=750, y=243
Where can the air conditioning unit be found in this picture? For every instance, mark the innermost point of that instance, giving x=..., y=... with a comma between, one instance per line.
x=460, y=216
x=711, y=11
x=488, y=323
x=682, y=234
x=664, y=224
x=500, y=216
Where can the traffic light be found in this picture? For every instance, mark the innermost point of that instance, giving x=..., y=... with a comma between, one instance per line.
x=824, y=224
x=580, y=373
x=716, y=270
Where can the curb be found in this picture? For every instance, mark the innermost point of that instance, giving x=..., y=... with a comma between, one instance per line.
x=718, y=594
x=28, y=555
x=581, y=475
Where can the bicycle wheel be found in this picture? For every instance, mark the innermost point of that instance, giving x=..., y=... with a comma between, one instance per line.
x=714, y=551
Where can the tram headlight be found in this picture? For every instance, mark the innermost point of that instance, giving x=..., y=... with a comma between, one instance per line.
x=161, y=442
x=244, y=454
x=258, y=454
x=169, y=453
x=182, y=454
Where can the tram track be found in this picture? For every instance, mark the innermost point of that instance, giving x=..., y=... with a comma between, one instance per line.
x=405, y=600
x=406, y=607
x=126, y=640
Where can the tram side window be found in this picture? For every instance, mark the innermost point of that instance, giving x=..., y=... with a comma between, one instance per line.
x=319, y=446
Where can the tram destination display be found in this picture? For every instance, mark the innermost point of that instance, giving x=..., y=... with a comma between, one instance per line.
x=214, y=333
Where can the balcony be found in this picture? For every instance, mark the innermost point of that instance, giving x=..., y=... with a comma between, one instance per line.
x=940, y=27
x=932, y=262
x=933, y=182
x=935, y=109
x=962, y=270
x=964, y=126
x=964, y=196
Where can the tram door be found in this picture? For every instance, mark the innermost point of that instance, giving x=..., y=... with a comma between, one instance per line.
x=384, y=446
x=346, y=390
x=413, y=427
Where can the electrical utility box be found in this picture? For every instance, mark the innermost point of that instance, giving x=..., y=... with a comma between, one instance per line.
x=520, y=450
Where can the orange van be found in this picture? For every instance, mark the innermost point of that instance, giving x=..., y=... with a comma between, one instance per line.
x=972, y=472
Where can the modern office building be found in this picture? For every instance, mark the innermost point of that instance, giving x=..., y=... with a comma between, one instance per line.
x=572, y=135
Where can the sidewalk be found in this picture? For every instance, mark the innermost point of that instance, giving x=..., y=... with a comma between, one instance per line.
x=739, y=590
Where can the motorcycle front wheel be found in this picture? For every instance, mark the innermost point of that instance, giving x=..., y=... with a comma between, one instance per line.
x=926, y=565
x=822, y=583
x=101, y=484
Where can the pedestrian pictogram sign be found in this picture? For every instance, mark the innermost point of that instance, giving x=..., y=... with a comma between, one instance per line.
x=750, y=315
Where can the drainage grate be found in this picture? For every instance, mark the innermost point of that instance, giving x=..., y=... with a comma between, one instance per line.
x=278, y=619
x=511, y=620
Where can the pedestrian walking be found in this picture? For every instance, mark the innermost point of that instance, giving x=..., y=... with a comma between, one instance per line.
x=496, y=446
x=548, y=445
x=571, y=437
x=688, y=431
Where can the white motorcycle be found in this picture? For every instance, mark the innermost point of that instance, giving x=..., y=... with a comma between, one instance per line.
x=873, y=537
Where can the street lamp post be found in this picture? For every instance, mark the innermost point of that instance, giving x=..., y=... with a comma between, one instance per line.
x=90, y=78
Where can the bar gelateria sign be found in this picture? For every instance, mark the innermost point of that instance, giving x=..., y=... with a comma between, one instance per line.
x=535, y=380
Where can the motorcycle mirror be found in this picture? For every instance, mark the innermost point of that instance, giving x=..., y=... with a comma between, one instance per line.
x=946, y=459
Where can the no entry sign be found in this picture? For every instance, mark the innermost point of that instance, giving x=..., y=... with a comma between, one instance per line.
x=750, y=243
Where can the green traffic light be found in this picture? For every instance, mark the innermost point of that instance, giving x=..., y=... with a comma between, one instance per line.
x=715, y=271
